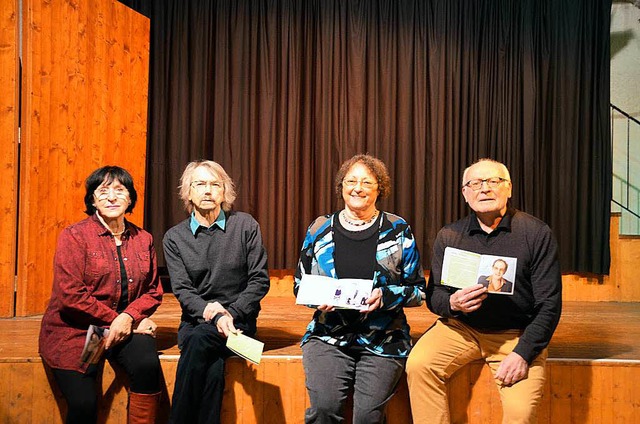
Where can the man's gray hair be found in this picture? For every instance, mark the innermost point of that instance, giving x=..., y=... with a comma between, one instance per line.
x=505, y=171
x=217, y=170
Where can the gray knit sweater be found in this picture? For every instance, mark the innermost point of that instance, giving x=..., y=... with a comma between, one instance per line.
x=228, y=266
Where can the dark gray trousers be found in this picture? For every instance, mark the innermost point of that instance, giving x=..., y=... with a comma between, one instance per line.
x=331, y=372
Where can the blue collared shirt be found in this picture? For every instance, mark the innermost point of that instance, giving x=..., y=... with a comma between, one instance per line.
x=221, y=222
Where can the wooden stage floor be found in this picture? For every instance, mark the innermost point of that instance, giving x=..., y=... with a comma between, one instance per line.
x=588, y=331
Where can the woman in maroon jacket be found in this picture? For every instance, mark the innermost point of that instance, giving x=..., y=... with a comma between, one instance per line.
x=104, y=275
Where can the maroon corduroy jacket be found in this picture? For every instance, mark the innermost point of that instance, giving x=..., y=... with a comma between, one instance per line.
x=86, y=287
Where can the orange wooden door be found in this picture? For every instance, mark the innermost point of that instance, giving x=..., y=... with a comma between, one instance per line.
x=84, y=105
x=8, y=151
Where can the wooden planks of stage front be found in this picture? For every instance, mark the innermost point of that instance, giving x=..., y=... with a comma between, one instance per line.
x=592, y=372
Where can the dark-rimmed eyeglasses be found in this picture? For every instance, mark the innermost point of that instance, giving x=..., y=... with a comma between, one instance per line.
x=492, y=182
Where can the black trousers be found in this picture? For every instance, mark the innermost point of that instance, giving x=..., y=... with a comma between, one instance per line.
x=197, y=396
x=138, y=356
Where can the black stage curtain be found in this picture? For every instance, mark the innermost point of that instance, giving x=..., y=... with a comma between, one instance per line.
x=280, y=92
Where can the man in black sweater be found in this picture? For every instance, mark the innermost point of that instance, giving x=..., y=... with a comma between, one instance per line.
x=510, y=333
x=218, y=269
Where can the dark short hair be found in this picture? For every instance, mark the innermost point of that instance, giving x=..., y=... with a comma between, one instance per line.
x=375, y=166
x=108, y=174
x=506, y=265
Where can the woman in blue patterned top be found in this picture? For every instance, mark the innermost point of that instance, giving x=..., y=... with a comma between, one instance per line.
x=364, y=350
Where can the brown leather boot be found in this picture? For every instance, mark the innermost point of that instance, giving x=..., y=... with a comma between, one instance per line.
x=143, y=408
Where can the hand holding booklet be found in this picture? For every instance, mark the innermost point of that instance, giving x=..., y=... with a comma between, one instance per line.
x=93, y=344
x=245, y=347
x=346, y=293
x=462, y=268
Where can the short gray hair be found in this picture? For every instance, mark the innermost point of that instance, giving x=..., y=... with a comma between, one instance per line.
x=502, y=165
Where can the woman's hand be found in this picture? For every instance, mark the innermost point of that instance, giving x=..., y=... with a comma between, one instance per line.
x=326, y=308
x=374, y=301
x=147, y=326
x=119, y=330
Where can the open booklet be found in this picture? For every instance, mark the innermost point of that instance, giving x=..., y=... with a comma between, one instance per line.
x=245, y=347
x=93, y=345
x=345, y=293
x=461, y=268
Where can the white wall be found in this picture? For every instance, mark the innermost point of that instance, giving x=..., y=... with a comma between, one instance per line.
x=625, y=57
x=625, y=93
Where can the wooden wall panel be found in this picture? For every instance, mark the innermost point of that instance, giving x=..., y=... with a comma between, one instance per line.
x=620, y=285
x=576, y=392
x=84, y=96
x=8, y=150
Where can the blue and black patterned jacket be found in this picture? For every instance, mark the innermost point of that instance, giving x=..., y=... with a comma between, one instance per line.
x=398, y=274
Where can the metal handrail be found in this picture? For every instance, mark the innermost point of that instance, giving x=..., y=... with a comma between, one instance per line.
x=625, y=208
x=626, y=186
x=625, y=114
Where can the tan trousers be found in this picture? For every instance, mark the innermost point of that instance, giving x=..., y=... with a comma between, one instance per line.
x=446, y=347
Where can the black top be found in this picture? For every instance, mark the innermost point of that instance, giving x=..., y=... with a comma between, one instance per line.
x=536, y=302
x=355, y=254
x=123, y=302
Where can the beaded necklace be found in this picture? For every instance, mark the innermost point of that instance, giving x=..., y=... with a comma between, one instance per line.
x=359, y=224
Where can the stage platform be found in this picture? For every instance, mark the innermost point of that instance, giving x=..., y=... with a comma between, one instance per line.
x=594, y=367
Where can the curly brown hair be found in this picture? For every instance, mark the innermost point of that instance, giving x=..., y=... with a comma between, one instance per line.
x=375, y=166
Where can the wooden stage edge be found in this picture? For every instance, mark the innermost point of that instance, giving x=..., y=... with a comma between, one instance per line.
x=588, y=331
x=566, y=361
x=592, y=371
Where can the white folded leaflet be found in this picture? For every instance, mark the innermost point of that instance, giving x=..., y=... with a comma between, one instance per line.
x=346, y=293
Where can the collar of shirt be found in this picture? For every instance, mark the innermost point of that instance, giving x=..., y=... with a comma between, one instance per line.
x=504, y=225
x=103, y=231
x=221, y=222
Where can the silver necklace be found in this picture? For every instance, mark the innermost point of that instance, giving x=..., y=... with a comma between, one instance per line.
x=118, y=233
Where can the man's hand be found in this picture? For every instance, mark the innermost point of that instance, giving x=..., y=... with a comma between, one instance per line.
x=468, y=299
x=225, y=325
x=119, y=330
x=213, y=309
x=512, y=369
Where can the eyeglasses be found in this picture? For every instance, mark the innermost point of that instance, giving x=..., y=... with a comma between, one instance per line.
x=493, y=182
x=202, y=186
x=363, y=183
x=103, y=193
